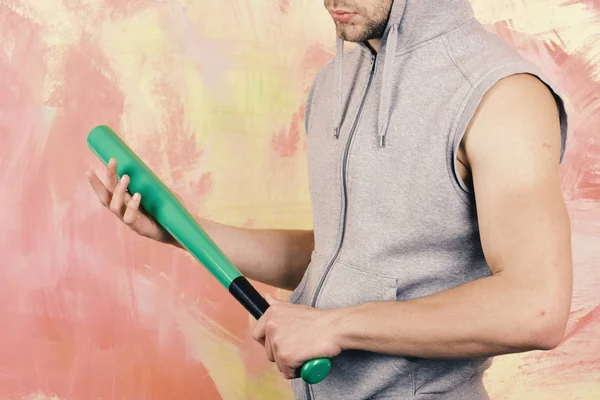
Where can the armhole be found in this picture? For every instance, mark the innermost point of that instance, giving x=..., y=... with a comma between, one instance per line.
x=470, y=105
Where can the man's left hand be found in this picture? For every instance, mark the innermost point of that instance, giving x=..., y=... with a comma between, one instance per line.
x=293, y=334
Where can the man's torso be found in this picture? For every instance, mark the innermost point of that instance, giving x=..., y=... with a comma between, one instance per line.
x=398, y=222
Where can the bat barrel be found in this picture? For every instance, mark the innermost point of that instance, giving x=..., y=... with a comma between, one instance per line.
x=162, y=204
x=167, y=210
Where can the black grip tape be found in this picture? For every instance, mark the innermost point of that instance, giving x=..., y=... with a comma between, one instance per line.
x=247, y=295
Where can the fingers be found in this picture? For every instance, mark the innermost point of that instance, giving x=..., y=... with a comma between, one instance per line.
x=112, y=192
x=101, y=192
x=266, y=333
x=131, y=211
x=269, y=350
x=112, y=180
x=259, y=333
x=117, y=203
x=283, y=361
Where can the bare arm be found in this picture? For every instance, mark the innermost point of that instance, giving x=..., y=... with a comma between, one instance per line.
x=512, y=147
x=275, y=257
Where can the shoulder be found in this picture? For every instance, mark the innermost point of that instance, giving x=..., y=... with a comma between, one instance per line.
x=479, y=52
x=520, y=98
x=520, y=89
x=518, y=112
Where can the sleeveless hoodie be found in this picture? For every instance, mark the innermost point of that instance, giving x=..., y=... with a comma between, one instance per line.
x=393, y=220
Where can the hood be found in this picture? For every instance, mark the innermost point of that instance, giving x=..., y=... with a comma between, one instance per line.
x=411, y=22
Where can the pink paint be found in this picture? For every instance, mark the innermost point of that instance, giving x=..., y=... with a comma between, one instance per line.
x=285, y=143
x=87, y=319
x=592, y=5
x=313, y=59
x=90, y=309
x=21, y=83
x=573, y=73
x=584, y=322
x=126, y=9
x=284, y=6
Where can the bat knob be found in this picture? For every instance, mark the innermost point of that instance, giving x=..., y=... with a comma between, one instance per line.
x=314, y=371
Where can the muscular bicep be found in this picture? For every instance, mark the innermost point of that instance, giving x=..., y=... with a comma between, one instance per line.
x=513, y=147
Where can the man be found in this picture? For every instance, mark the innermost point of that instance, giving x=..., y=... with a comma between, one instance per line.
x=440, y=234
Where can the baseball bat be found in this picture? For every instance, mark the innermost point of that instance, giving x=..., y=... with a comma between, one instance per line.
x=160, y=203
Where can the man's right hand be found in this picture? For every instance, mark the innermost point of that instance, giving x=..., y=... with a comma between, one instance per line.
x=112, y=193
x=276, y=257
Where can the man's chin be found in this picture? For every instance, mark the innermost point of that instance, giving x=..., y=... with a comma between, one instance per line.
x=354, y=37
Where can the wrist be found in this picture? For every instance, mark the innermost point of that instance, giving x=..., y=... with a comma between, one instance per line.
x=347, y=328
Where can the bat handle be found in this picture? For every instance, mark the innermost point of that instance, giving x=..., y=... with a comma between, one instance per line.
x=312, y=371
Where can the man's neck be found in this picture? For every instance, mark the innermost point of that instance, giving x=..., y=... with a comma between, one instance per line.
x=373, y=44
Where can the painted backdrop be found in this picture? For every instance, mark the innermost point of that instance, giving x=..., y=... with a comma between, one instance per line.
x=211, y=93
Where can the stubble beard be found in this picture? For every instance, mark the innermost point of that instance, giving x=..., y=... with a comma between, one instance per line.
x=373, y=28
x=354, y=33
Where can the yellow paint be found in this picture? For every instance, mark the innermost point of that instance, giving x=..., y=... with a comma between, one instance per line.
x=220, y=355
x=233, y=113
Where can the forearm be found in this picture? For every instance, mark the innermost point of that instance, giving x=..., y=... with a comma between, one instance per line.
x=486, y=317
x=276, y=257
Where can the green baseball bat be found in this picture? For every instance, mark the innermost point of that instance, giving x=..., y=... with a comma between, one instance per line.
x=160, y=203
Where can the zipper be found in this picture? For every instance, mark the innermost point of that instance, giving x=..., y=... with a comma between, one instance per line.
x=315, y=297
x=344, y=184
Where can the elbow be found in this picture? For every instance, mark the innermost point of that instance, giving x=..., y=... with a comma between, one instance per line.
x=548, y=338
x=540, y=322
x=543, y=332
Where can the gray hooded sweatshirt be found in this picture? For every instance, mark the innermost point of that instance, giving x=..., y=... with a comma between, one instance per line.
x=393, y=220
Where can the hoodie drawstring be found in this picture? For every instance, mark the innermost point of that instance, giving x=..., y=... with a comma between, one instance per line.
x=339, y=96
x=385, y=100
x=386, y=85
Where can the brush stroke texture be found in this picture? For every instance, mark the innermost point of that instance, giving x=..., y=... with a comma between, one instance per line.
x=211, y=95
